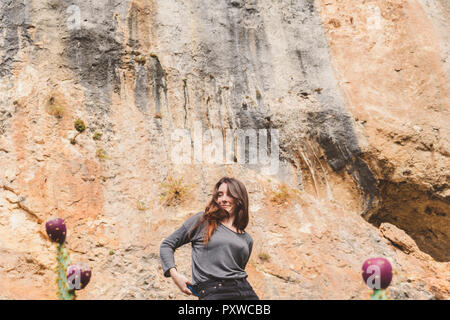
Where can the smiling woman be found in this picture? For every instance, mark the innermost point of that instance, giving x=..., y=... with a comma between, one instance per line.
x=228, y=206
x=220, y=246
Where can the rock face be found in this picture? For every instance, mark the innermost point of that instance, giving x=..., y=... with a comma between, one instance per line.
x=354, y=96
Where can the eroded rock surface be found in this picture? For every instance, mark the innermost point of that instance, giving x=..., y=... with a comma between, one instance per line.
x=358, y=92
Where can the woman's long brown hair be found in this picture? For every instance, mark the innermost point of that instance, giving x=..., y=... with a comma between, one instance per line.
x=214, y=213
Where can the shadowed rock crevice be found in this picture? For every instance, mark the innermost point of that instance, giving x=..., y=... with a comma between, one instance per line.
x=334, y=132
x=95, y=57
x=158, y=82
x=330, y=125
x=248, y=47
x=133, y=27
x=240, y=31
x=14, y=23
x=424, y=217
x=141, y=88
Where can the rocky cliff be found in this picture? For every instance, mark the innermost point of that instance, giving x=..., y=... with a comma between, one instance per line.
x=352, y=96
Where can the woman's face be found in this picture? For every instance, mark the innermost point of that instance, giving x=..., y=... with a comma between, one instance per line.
x=224, y=200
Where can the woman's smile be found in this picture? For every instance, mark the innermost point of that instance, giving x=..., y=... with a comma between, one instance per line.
x=224, y=199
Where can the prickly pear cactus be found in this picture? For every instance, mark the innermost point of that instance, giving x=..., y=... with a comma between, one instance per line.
x=379, y=295
x=377, y=275
x=56, y=230
x=64, y=292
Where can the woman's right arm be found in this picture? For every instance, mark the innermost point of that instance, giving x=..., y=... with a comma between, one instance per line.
x=167, y=250
x=180, y=280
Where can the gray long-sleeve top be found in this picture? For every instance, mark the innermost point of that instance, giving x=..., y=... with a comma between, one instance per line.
x=225, y=257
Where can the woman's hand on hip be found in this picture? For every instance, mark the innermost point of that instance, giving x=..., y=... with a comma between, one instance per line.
x=181, y=281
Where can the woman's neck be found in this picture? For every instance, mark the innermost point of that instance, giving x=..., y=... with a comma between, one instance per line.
x=229, y=220
x=228, y=223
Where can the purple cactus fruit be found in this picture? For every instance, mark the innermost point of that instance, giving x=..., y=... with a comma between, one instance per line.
x=78, y=276
x=56, y=230
x=377, y=273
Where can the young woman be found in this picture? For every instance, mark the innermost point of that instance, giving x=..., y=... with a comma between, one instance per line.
x=220, y=246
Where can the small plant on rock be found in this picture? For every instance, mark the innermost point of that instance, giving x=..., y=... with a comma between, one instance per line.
x=56, y=110
x=141, y=59
x=264, y=256
x=101, y=154
x=80, y=127
x=175, y=192
x=97, y=136
x=141, y=205
x=282, y=196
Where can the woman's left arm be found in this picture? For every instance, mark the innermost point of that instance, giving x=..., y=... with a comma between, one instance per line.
x=250, y=248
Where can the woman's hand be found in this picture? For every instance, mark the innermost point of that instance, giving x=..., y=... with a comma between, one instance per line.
x=181, y=281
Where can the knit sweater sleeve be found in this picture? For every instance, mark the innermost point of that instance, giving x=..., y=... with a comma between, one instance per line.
x=250, y=249
x=174, y=241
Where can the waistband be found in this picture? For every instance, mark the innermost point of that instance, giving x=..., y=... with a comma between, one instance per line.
x=209, y=282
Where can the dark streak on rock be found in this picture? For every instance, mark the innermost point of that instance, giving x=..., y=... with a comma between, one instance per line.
x=334, y=133
x=14, y=19
x=141, y=88
x=158, y=82
x=95, y=56
x=185, y=103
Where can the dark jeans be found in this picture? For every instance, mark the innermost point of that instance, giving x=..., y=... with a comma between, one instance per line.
x=225, y=289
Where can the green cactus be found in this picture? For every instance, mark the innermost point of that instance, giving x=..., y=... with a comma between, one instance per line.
x=379, y=294
x=64, y=292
